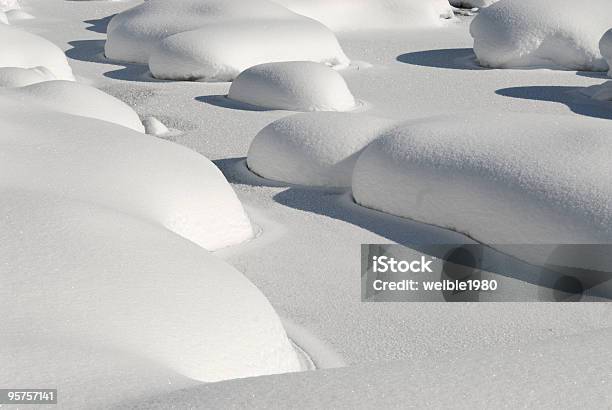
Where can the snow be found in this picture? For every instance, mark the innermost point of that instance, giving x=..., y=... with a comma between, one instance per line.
x=215, y=40
x=545, y=375
x=316, y=149
x=510, y=179
x=17, y=15
x=605, y=46
x=307, y=247
x=120, y=297
x=26, y=50
x=7, y=5
x=472, y=3
x=115, y=167
x=153, y=126
x=351, y=15
x=3, y=18
x=76, y=99
x=525, y=33
x=294, y=86
x=19, y=77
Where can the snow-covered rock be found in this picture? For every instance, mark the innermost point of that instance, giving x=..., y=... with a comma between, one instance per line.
x=215, y=40
x=3, y=18
x=527, y=33
x=350, y=15
x=76, y=99
x=600, y=92
x=19, y=77
x=17, y=15
x=88, y=279
x=318, y=149
x=294, y=86
x=19, y=48
x=112, y=166
x=500, y=178
x=605, y=47
x=7, y=5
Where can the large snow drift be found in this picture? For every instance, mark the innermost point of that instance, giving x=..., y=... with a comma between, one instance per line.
x=500, y=178
x=318, y=149
x=349, y=15
x=527, y=33
x=115, y=167
x=294, y=85
x=19, y=48
x=77, y=99
x=89, y=279
x=215, y=40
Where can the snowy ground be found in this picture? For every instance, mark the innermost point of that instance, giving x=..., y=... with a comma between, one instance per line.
x=306, y=258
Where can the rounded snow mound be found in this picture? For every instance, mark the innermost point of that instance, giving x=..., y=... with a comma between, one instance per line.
x=318, y=149
x=350, y=15
x=114, y=167
x=78, y=99
x=526, y=33
x=114, y=283
x=294, y=86
x=19, y=77
x=215, y=40
x=19, y=48
x=605, y=46
x=500, y=178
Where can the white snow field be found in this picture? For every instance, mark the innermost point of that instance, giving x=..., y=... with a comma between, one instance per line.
x=538, y=33
x=77, y=99
x=109, y=193
x=315, y=149
x=112, y=283
x=214, y=40
x=293, y=86
x=499, y=178
x=20, y=48
x=605, y=46
x=352, y=15
x=115, y=167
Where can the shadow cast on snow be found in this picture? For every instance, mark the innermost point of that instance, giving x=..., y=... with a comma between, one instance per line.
x=92, y=51
x=99, y=25
x=451, y=58
x=223, y=102
x=572, y=97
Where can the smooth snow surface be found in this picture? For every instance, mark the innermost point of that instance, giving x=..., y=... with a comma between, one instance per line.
x=113, y=283
x=214, y=40
x=351, y=15
x=77, y=99
x=547, y=375
x=512, y=178
x=318, y=149
x=605, y=46
x=22, y=49
x=7, y=5
x=294, y=85
x=19, y=77
x=115, y=167
x=539, y=33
